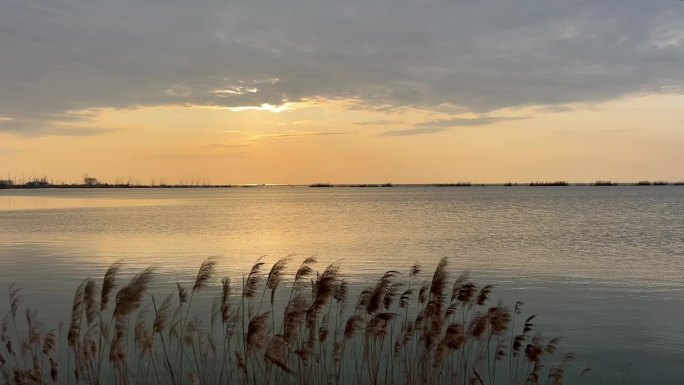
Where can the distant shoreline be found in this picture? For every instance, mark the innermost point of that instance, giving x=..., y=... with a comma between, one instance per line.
x=34, y=186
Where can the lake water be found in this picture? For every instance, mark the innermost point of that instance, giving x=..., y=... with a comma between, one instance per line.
x=602, y=266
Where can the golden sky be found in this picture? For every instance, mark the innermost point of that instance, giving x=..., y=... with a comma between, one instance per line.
x=336, y=141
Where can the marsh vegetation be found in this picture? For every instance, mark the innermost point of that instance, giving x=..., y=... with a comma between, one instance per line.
x=404, y=328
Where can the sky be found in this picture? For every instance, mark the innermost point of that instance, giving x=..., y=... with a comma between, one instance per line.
x=346, y=91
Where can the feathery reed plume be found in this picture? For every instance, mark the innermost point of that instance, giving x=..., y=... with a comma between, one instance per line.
x=50, y=342
x=415, y=270
x=434, y=310
x=141, y=333
x=305, y=269
x=253, y=279
x=518, y=343
x=108, y=284
x=256, y=332
x=194, y=380
x=451, y=309
x=439, y=280
x=483, y=296
x=14, y=299
x=422, y=293
x=533, y=378
x=466, y=292
x=405, y=337
x=584, y=371
x=90, y=301
x=204, y=274
x=390, y=294
x=191, y=328
x=225, y=299
x=323, y=331
x=9, y=347
x=54, y=370
x=528, y=324
x=305, y=352
x=455, y=336
x=440, y=354
x=275, y=275
x=325, y=285
x=162, y=315
x=34, y=334
x=129, y=297
x=557, y=374
x=242, y=364
x=341, y=292
x=479, y=325
x=26, y=377
x=405, y=298
x=364, y=298
x=377, y=326
x=552, y=345
x=499, y=318
x=420, y=320
x=500, y=350
x=518, y=307
x=460, y=280
x=76, y=314
x=534, y=350
x=294, y=316
x=182, y=293
x=277, y=352
x=353, y=323
x=375, y=301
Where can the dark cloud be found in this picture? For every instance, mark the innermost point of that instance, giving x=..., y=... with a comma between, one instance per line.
x=69, y=55
x=466, y=122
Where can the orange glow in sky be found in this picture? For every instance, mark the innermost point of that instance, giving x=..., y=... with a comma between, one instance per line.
x=338, y=141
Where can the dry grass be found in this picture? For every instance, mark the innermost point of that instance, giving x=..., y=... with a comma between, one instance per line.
x=397, y=331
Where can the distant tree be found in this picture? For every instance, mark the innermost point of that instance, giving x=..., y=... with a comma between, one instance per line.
x=90, y=181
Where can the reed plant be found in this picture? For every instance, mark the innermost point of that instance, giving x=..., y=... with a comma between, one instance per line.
x=405, y=328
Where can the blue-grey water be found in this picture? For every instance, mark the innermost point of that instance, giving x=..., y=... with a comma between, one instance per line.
x=602, y=266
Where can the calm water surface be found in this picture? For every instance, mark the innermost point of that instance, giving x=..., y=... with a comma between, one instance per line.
x=602, y=266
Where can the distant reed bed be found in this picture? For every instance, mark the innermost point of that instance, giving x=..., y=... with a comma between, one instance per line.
x=404, y=328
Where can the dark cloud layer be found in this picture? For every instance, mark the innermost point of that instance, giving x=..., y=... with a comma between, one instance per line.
x=68, y=55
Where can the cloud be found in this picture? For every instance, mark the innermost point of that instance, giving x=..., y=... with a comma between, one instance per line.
x=296, y=134
x=415, y=131
x=441, y=125
x=226, y=145
x=7, y=151
x=382, y=122
x=54, y=125
x=478, y=56
x=467, y=122
x=261, y=136
x=194, y=156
